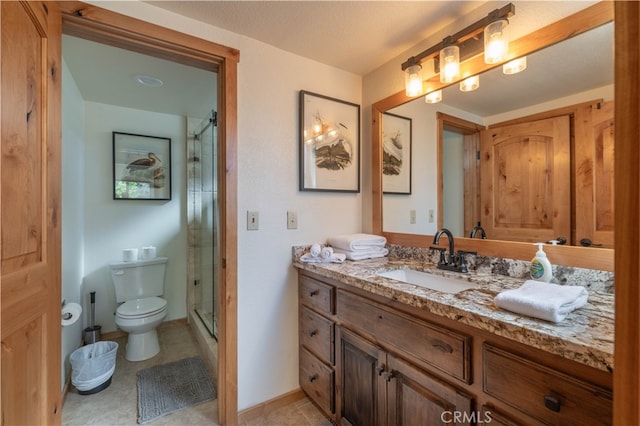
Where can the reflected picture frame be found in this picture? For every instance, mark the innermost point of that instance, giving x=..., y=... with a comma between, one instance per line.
x=329, y=145
x=396, y=154
x=141, y=167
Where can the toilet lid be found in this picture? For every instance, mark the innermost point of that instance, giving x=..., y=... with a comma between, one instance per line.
x=138, y=307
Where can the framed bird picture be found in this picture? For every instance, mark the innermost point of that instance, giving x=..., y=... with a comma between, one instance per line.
x=141, y=167
x=329, y=144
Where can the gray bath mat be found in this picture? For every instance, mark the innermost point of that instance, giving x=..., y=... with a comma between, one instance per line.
x=167, y=388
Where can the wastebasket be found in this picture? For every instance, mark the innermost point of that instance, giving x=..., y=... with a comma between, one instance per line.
x=92, y=366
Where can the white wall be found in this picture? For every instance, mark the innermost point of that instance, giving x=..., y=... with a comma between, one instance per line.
x=72, y=208
x=112, y=225
x=268, y=83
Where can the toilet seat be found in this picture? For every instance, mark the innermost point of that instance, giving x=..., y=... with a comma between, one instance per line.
x=138, y=308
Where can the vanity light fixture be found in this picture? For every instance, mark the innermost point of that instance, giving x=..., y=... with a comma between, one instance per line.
x=496, y=41
x=470, y=84
x=433, y=97
x=465, y=44
x=515, y=66
x=413, y=80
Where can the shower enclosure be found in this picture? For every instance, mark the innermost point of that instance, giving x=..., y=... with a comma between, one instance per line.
x=204, y=225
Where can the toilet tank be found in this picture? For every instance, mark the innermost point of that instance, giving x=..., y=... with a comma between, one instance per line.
x=138, y=279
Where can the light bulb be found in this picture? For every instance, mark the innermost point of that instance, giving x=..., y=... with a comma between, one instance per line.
x=433, y=97
x=449, y=64
x=469, y=84
x=413, y=80
x=496, y=41
x=515, y=66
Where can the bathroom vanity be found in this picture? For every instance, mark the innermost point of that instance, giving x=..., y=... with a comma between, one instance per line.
x=375, y=351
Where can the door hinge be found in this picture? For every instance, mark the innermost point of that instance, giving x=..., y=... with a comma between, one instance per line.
x=477, y=155
x=214, y=118
x=224, y=262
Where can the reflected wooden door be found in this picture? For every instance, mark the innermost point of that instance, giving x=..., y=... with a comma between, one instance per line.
x=30, y=213
x=595, y=175
x=526, y=181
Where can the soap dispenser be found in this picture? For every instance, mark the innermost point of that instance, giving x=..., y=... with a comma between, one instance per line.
x=540, y=265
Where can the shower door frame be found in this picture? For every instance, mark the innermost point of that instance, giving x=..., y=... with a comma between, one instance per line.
x=103, y=26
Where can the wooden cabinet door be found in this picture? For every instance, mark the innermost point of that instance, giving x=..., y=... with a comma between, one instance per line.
x=361, y=392
x=594, y=174
x=416, y=398
x=526, y=181
x=30, y=213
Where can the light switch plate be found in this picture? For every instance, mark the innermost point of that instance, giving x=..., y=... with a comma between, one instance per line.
x=292, y=220
x=252, y=221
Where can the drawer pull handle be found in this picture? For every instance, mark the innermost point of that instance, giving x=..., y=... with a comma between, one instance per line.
x=552, y=403
x=313, y=333
x=313, y=378
x=442, y=346
x=314, y=293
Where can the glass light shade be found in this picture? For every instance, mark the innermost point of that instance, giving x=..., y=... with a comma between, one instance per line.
x=449, y=64
x=496, y=41
x=433, y=97
x=413, y=80
x=515, y=66
x=470, y=84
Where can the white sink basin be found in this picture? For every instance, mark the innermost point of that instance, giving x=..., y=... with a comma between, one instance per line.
x=430, y=281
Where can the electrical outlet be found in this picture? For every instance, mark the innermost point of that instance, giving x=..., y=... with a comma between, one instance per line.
x=412, y=217
x=430, y=215
x=252, y=220
x=292, y=220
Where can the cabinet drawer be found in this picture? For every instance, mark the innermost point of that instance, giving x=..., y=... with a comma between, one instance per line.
x=317, y=294
x=317, y=381
x=436, y=346
x=316, y=334
x=543, y=393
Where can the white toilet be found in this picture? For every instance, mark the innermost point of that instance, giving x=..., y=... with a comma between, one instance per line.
x=139, y=285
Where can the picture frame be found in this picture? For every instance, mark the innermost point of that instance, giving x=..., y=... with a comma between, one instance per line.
x=329, y=144
x=141, y=167
x=396, y=154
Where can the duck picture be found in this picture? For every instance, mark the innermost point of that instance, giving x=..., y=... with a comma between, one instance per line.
x=143, y=163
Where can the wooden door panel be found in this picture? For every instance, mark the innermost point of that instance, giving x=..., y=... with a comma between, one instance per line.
x=30, y=212
x=525, y=181
x=594, y=159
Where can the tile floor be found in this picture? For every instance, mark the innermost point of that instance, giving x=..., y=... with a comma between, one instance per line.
x=117, y=405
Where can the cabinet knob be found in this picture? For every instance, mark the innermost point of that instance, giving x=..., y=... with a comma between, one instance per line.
x=314, y=293
x=552, y=403
x=388, y=375
x=313, y=333
x=380, y=369
x=313, y=378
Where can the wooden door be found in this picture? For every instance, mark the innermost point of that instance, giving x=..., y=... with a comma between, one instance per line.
x=30, y=213
x=361, y=388
x=526, y=181
x=594, y=175
x=414, y=397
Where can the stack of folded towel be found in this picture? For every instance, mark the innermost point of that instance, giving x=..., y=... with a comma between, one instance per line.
x=551, y=302
x=319, y=254
x=360, y=246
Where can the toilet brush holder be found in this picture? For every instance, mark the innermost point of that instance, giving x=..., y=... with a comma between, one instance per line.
x=91, y=334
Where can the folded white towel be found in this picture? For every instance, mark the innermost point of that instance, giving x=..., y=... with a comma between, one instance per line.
x=326, y=252
x=352, y=242
x=335, y=258
x=315, y=250
x=551, y=302
x=363, y=254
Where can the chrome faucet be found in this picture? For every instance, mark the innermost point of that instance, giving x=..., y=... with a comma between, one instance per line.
x=451, y=261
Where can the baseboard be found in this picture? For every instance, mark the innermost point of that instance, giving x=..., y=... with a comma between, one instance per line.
x=119, y=333
x=267, y=407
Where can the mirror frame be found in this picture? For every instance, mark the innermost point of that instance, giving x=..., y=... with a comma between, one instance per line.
x=592, y=258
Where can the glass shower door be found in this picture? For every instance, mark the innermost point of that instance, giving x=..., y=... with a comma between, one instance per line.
x=204, y=222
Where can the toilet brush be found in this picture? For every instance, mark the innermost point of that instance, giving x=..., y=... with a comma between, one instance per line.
x=92, y=333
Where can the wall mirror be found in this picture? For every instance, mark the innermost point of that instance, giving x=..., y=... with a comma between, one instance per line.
x=560, y=75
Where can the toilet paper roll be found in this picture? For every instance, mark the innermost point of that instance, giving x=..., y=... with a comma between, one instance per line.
x=70, y=314
x=129, y=255
x=148, y=252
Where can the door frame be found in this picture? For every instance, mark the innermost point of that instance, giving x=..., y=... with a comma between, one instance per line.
x=103, y=26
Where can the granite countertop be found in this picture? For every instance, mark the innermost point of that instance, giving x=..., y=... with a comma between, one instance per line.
x=585, y=336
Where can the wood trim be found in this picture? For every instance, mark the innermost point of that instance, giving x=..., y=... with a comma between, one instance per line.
x=268, y=407
x=626, y=375
x=97, y=24
x=580, y=22
x=568, y=110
